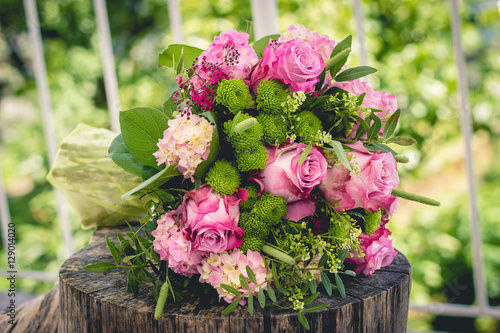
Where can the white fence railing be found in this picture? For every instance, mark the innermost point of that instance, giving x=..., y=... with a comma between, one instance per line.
x=265, y=22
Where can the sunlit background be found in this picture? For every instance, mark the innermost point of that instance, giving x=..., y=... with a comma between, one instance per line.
x=409, y=42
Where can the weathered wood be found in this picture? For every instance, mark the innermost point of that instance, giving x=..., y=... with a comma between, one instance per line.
x=99, y=303
x=39, y=315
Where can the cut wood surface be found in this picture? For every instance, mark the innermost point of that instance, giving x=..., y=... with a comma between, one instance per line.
x=91, y=302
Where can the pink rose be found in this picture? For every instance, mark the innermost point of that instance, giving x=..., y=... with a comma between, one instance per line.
x=212, y=219
x=299, y=65
x=284, y=177
x=320, y=43
x=369, y=186
x=293, y=62
x=299, y=209
x=378, y=251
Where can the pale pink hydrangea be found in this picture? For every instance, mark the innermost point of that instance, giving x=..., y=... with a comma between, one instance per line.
x=320, y=43
x=225, y=268
x=186, y=142
x=173, y=246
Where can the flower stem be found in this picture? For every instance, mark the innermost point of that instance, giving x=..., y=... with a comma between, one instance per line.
x=415, y=197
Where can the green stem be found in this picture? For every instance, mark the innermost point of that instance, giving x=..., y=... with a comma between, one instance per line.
x=278, y=254
x=414, y=197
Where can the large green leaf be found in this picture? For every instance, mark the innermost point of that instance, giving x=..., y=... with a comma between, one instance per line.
x=261, y=44
x=122, y=157
x=169, y=108
x=141, y=129
x=339, y=56
x=178, y=54
x=354, y=73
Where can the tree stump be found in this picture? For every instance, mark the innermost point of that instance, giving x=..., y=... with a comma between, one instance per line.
x=91, y=302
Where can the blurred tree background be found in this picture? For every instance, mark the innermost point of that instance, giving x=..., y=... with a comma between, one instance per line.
x=409, y=42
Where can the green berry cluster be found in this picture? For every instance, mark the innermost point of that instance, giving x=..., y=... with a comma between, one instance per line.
x=271, y=95
x=223, y=177
x=233, y=94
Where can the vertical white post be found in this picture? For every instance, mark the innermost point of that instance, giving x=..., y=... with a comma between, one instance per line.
x=358, y=14
x=4, y=211
x=466, y=126
x=174, y=14
x=265, y=18
x=46, y=106
x=108, y=64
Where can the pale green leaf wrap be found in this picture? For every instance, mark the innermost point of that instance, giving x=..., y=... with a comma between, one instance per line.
x=91, y=182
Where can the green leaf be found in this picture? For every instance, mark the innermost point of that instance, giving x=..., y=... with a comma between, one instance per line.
x=178, y=54
x=231, y=289
x=375, y=127
x=250, y=303
x=100, y=267
x=343, y=255
x=169, y=108
x=354, y=73
x=326, y=283
x=114, y=251
x=303, y=321
x=251, y=274
x=271, y=293
x=277, y=281
x=121, y=156
x=141, y=129
x=313, y=285
x=262, y=298
x=316, y=308
x=243, y=282
x=304, y=154
x=311, y=298
x=340, y=47
x=341, y=154
x=383, y=148
x=158, y=179
x=245, y=124
x=402, y=141
x=261, y=44
x=390, y=125
x=132, y=283
x=323, y=260
x=340, y=285
x=202, y=168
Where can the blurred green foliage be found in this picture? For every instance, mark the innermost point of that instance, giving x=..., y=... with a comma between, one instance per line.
x=409, y=41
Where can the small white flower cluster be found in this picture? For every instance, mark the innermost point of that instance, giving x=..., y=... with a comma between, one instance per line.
x=293, y=102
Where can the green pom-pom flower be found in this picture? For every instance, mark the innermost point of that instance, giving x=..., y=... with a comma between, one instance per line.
x=233, y=94
x=251, y=243
x=252, y=158
x=223, y=177
x=246, y=139
x=274, y=128
x=271, y=95
x=340, y=228
x=253, y=193
x=372, y=222
x=307, y=126
x=253, y=225
x=270, y=208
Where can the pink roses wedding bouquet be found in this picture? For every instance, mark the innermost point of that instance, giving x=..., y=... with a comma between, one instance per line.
x=266, y=174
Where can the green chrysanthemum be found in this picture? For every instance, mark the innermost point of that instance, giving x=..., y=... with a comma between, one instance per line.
x=340, y=228
x=251, y=243
x=245, y=139
x=233, y=94
x=252, y=158
x=270, y=208
x=372, y=222
x=223, y=177
x=307, y=126
x=253, y=193
x=274, y=128
x=271, y=95
x=253, y=226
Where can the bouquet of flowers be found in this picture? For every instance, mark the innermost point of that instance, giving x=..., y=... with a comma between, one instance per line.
x=267, y=173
